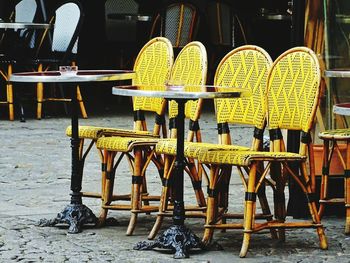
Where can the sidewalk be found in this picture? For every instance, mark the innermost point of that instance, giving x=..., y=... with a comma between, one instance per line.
x=35, y=165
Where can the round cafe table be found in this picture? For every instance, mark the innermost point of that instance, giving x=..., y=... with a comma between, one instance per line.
x=76, y=214
x=178, y=237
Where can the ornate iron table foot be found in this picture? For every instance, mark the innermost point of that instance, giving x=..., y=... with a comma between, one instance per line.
x=75, y=215
x=178, y=238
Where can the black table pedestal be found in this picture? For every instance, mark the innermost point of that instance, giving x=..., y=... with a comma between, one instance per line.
x=76, y=214
x=177, y=237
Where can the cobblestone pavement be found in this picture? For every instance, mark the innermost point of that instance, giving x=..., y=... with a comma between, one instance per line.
x=35, y=164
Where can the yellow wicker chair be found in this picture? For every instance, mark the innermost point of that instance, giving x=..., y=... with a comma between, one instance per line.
x=152, y=66
x=245, y=67
x=293, y=97
x=331, y=140
x=190, y=67
x=192, y=113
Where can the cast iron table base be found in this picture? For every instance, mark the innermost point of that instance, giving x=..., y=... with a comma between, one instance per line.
x=75, y=215
x=178, y=238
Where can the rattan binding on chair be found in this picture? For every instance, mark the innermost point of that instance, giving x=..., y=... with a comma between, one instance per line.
x=293, y=97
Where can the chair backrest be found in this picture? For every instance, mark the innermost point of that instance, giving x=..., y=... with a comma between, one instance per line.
x=294, y=90
x=152, y=67
x=190, y=68
x=25, y=11
x=244, y=67
x=18, y=43
x=68, y=21
x=178, y=22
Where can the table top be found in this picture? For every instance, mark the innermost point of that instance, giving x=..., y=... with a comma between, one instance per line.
x=24, y=25
x=74, y=76
x=337, y=73
x=180, y=91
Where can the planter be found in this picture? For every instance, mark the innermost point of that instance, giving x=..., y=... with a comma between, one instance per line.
x=336, y=167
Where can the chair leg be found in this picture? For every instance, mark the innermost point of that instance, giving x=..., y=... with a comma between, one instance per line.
x=108, y=176
x=136, y=201
x=144, y=190
x=324, y=177
x=10, y=101
x=9, y=94
x=305, y=184
x=212, y=206
x=316, y=220
x=265, y=208
x=39, y=100
x=81, y=103
x=39, y=95
x=197, y=184
x=249, y=211
x=279, y=199
x=347, y=189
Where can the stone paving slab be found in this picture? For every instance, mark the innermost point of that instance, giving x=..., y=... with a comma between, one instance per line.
x=35, y=164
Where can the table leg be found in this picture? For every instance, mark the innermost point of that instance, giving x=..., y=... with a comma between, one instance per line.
x=76, y=214
x=177, y=237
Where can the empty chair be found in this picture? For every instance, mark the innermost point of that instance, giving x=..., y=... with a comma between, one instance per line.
x=152, y=67
x=190, y=67
x=292, y=99
x=245, y=67
x=179, y=22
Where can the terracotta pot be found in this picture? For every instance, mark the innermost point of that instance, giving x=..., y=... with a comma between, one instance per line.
x=336, y=166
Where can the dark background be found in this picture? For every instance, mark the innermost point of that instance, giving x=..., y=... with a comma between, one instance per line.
x=95, y=51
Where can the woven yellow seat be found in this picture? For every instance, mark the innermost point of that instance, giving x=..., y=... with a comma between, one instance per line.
x=292, y=99
x=94, y=132
x=190, y=67
x=123, y=144
x=245, y=158
x=331, y=140
x=192, y=149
